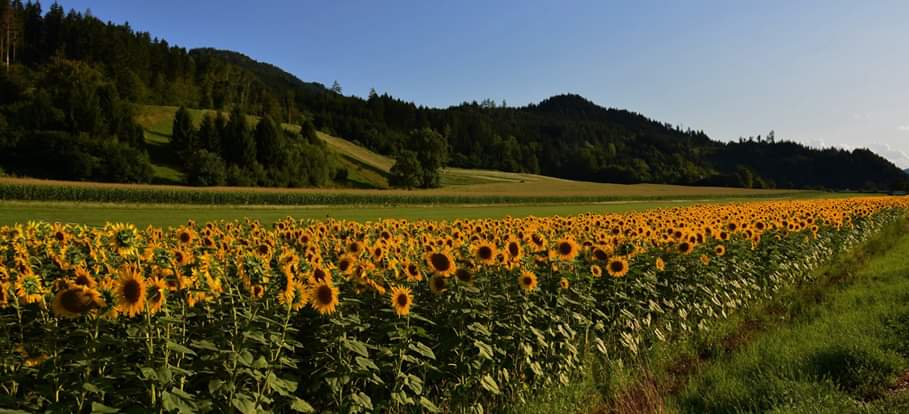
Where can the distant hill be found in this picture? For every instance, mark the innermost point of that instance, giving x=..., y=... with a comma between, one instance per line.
x=67, y=103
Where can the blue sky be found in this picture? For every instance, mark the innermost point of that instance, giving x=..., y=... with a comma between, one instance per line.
x=820, y=72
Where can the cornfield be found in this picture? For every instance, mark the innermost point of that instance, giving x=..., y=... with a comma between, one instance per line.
x=34, y=190
x=391, y=316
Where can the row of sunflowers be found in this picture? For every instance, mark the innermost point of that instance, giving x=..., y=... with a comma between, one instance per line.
x=389, y=316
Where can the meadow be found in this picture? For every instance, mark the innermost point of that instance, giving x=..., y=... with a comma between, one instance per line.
x=463, y=315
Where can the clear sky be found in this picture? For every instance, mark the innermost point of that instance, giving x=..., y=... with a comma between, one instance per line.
x=824, y=72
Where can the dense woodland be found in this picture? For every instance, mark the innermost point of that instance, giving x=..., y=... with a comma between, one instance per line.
x=69, y=83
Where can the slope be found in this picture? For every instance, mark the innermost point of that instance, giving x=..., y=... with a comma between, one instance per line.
x=368, y=170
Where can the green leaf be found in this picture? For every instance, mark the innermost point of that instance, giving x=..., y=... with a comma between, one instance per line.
x=244, y=405
x=173, y=346
x=362, y=400
x=98, y=408
x=301, y=406
x=356, y=346
x=429, y=406
x=204, y=344
x=485, y=350
x=422, y=349
x=9, y=411
x=214, y=385
x=415, y=384
x=90, y=388
x=366, y=363
x=489, y=384
x=281, y=386
x=149, y=374
x=174, y=402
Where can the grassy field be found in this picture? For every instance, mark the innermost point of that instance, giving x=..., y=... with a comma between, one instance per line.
x=98, y=214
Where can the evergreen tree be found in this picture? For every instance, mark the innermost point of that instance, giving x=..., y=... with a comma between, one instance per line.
x=270, y=146
x=209, y=135
x=183, y=134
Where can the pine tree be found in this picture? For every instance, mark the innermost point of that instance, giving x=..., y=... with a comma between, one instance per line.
x=183, y=135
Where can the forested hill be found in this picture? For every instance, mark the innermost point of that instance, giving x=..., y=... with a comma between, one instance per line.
x=66, y=98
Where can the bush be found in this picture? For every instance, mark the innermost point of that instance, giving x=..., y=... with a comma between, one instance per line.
x=206, y=169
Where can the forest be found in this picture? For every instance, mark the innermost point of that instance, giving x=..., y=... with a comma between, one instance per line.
x=70, y=82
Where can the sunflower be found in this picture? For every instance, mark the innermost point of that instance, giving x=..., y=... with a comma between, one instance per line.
x=438, y=284
x=4, y=294
x=301, y=296
x=566, y=249
x=720, y=250
x=485, y=252
x=563, y=283
x=600, y=254
x=186, y=235
x=464, y=275
x=412, y=271
x=123, y=238
x=705, y=260
x=347, y=263
x=75, y=301
x=29, y=289
x=513, y=248
x=596, y=271
x=401, y=299
x=685, y=247
x=441, y=263
x=527, y=280
x=660, y=264
x=617, y=267
x=84, y=278
x=130, y=292
x=324, y=298
x=318, y=274
x=157, y=294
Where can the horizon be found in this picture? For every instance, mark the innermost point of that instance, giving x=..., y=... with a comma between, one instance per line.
x=832, y=68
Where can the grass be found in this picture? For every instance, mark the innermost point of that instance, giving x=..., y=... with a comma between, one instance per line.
x=838, y=345
x=172, y=215
x=841, y=355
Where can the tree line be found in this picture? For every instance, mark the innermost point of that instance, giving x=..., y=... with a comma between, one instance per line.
x=112, y=66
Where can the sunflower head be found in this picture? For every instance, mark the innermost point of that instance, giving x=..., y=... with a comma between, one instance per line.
x=563, y=283
x=401, y=300
x=566, y=249
x=617, y=267
x=485, y=252
x=527, y=280
x=464, y=275
x=76, y=301
x=441, y=262
x=596, y=270
x=660, y=264
x=131, y=291
x=324, y=298
x=685, y=247
x=720, y=250
x=438, y=284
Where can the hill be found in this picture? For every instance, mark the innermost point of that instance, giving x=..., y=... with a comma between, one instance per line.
x=69, y=98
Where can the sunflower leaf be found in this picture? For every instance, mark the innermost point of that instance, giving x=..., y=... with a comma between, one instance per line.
x=301, y=406
x=422, y=349
x=98, y=408
x=489, y=384
x=429, y=406
x=173, y=346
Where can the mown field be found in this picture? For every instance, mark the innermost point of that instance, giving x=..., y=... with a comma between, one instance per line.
x=479, y=315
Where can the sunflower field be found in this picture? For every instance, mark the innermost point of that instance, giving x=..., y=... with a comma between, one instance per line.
x=390, y=316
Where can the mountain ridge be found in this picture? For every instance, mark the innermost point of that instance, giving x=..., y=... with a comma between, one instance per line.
x=565, y=136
